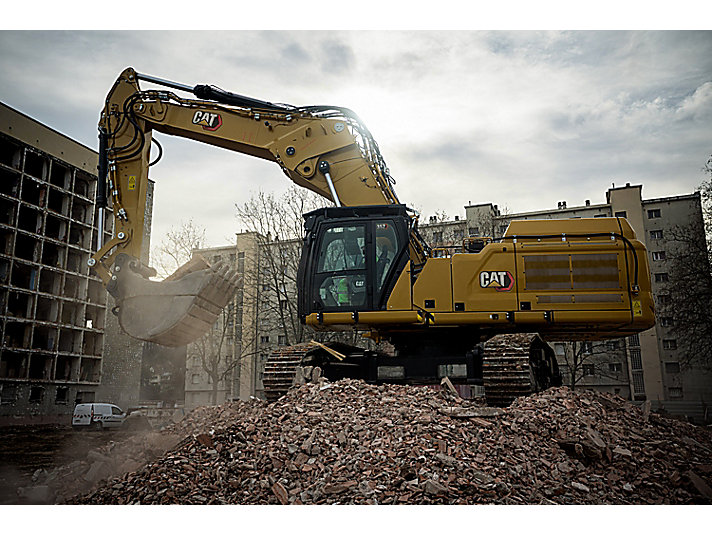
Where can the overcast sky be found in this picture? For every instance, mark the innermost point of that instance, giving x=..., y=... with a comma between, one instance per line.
x=519, y=119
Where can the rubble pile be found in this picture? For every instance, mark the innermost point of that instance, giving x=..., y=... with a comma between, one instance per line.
x=352, y=443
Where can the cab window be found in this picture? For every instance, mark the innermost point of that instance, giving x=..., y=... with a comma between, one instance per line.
x=343, y=249
x=386, y=246
x=342, y=266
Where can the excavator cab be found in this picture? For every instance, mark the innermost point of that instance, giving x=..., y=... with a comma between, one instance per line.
x=352, y=257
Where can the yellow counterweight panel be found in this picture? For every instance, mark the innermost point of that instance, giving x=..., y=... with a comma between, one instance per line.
x=583, y=275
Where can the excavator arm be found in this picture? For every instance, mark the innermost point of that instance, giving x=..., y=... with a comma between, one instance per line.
x=323, y=148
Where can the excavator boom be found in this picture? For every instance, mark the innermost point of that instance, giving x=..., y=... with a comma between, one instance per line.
x=323, y=148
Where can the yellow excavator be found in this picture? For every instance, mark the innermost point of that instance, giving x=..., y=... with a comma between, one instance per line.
x=480, y=315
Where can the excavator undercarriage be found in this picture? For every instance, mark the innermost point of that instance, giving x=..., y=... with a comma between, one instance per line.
x=507, y=366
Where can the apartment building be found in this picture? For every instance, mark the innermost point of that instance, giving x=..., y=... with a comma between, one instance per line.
x=56, y=349
x=224, y=365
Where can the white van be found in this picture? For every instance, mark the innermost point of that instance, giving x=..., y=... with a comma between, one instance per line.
x=97, y=415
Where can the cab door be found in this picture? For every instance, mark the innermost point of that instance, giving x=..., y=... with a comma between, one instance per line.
x=340, y=281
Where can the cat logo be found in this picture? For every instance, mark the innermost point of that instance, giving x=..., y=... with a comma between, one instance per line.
x=209, y=121
x=500, y=280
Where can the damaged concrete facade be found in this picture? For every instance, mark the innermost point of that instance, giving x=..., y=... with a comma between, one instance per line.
x=55, y=350
x=51, y=309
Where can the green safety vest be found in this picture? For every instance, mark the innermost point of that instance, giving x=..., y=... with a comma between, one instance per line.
x=342, y=291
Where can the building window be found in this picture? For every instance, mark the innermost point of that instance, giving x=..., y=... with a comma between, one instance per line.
x=654, y=214
x=62, y=396
x=282, y=305
x=612, y=345
x=264, y=339
x=474, y=232
x=615, y=367
x=661, y=277
x=241, y=262
x=36, y=394
x=667, y=321
x=9, y=394
x=195, y=378
x=656, y=234
x=672, y=368
x=623, y=214
x=588, y=370
x=265, y=287
x=263, y=356
x=437, y=237
x=638, y=383
x=675, y=393
x=636, y=361
x=282, y=340
x=663, y=299
x=559, y=349
x=634, y=341
x=658, y=255
x=670, y=344
x=586, y=347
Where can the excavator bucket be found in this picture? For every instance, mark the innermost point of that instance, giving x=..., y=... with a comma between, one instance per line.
x=178, y=310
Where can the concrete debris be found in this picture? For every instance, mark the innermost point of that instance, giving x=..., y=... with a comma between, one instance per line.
x=448, y=388
x=460, y=412
x=354, y=443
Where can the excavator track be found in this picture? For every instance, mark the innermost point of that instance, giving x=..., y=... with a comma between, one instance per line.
x=513, y=365
x=281, y=368
x=516, y=365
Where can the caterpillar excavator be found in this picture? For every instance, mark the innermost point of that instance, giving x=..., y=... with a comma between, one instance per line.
x=480, y=315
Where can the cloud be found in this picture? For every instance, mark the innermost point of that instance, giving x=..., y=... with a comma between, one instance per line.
x=337, y=58
x=522, y=119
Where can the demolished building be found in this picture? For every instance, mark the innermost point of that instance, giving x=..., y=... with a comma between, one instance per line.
x=55, y=350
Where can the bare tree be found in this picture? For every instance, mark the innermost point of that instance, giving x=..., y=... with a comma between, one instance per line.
x=493, y=224
x=279, y=228
x=215, y=356
x=278, y=224
x=685, y=307
x=177, y=247
x=582, y=359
